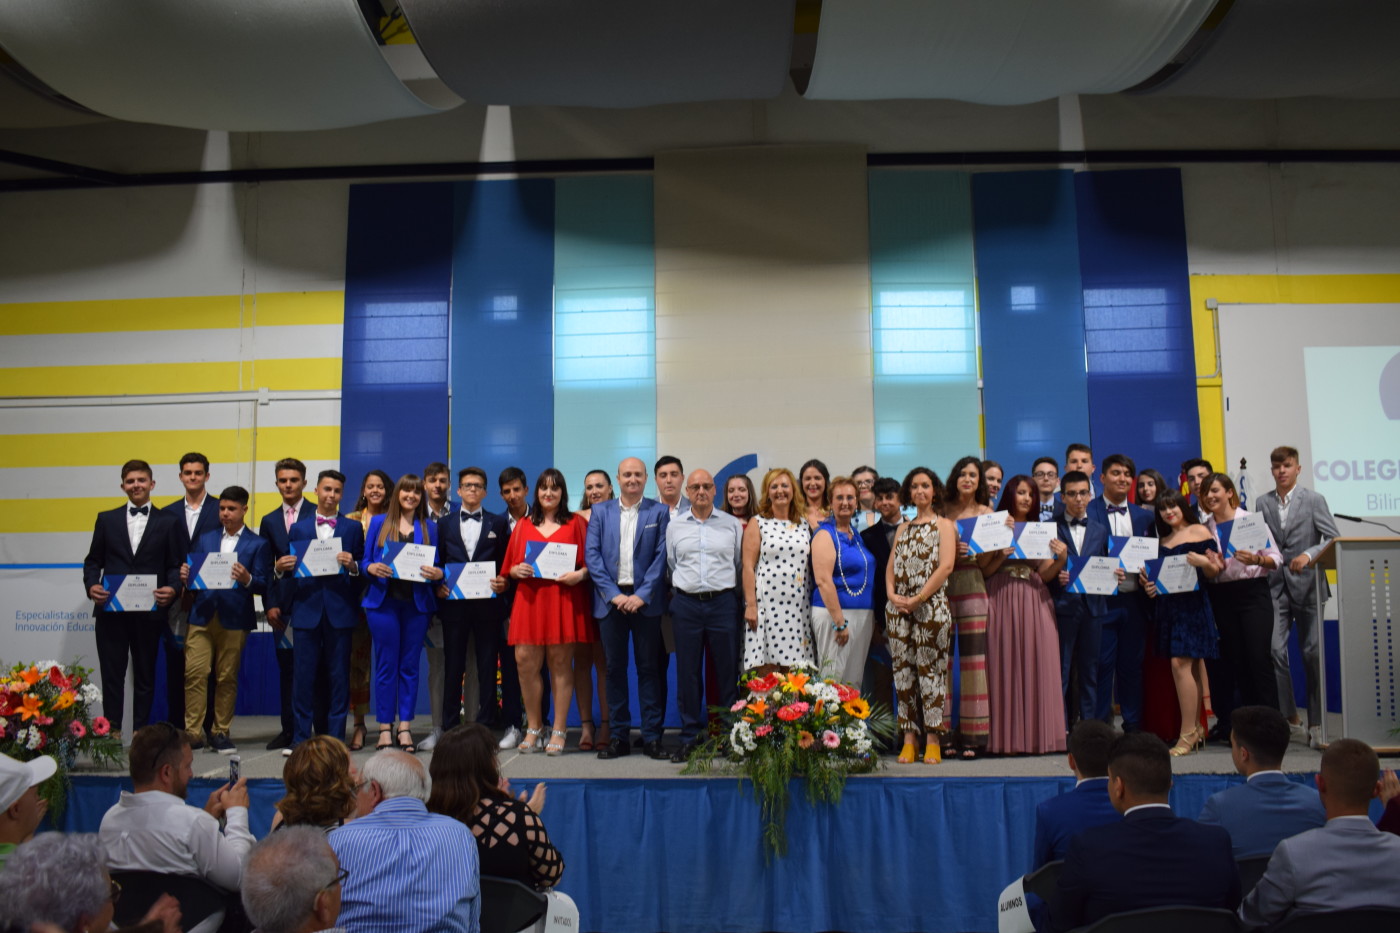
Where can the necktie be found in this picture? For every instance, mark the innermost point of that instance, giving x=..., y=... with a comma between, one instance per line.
x=471, y=515
x=143, y=510
x=324, y=521
x=291, y=514
x=1117, y=510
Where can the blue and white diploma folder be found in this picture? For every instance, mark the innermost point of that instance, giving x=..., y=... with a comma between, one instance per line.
x=1172, y=574
x=1093, y=576
x=986, y=533
x=551, y=560
x=1133, y=551
x=1249, y=532
x=471, y=580
x=212, y=571
x=1033, y=540
x=316, y=558
x=134, y=592
x=407, y=559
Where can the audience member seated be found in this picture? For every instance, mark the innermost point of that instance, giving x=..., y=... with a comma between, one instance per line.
x=1268, y=807
x=21, y=809
x=1390, y=796
x=467, y=786
x=1345, y=864
x=292, y=882
x=1060, y=819
x=57, y=880
x=1150, y=858
x=321, y=781
x=151, y=828
x=408, y=869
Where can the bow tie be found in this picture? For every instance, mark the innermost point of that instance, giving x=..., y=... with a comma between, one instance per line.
x=1081, y=522
x=471, y=515
x=1117, y=510
x=320, y=520
x=143, y=510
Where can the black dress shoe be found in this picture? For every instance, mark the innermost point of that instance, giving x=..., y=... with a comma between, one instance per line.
x=682, y=754
x=1218, y=734
x=617, y=748
x=281, y=740
x=655, y=749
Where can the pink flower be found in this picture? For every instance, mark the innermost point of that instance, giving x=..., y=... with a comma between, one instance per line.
x=738, y=705
x=763, y=730
x=77, y=728
x=793, y=711
x=101, y=726
x=830, y=739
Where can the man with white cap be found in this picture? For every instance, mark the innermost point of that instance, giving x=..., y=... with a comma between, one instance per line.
x=21, y=809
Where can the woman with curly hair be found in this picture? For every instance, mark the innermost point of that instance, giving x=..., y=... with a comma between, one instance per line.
x=321, y=781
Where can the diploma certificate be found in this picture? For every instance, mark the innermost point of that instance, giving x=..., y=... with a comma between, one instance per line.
x=1033, y=540
x=407, y=559
x=213, y=571
x=1131, y=552
x=135, y=592
x=470, y=580
x=1173, y=574
x=1093, y=576
x=986, y=533
x=318, y=558
x=1249, y=532
x=551, y=561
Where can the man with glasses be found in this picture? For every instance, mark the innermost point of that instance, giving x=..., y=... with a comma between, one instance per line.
x=152, y=828
x=1045, y=473
x=285, y=883
x=703, y=551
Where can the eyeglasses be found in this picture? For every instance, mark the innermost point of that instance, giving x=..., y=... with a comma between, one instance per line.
x=1045, y=474
x=696, y=487
x=114, y=889
x=1077, y=494
x=340, y=877
x=473, y=486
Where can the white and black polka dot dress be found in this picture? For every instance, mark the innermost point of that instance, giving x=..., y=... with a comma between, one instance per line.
x=784, y=634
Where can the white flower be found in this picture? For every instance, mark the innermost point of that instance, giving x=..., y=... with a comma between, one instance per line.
x=35, y=737
x=741, y=736
x=90, y=692
x=45, y=665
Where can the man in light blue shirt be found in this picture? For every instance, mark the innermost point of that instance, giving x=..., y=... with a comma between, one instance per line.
x=703, y=551
x=408, y=869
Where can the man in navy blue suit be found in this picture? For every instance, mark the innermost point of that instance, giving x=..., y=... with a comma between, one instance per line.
x=1060, y=819
x=1078, y=616
x=275, y=528
x=1151, y=857
x=220, y=620
x=1124, y=633
x=198, y=513
x=471, y=534
x=626, y=557
x=324, y=609
x=132, y=539
x=1267, y=808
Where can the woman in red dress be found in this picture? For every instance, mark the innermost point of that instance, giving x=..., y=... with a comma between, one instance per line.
x=549, y=617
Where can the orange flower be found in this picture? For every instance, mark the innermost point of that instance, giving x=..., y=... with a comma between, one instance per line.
x=858, y=707
x=760, y=707
x=795, y=682
x=805, y=739
x=30, y=709
x=65, y=699
x=31, y=676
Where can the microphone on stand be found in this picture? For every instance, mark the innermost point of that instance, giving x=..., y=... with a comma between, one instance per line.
x=1353, y=518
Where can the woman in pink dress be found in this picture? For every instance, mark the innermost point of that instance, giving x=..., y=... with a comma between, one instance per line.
x=1023, y=645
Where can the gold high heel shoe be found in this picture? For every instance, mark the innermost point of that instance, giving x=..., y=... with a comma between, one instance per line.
x=1185, y=744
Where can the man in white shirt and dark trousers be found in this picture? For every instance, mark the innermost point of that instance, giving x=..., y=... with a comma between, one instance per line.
x=152, y=828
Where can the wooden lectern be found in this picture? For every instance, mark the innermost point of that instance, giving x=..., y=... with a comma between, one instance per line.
x=1368, y=593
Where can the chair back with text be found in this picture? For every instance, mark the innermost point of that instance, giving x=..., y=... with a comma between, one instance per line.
x=509, y=906
x=1044, y=883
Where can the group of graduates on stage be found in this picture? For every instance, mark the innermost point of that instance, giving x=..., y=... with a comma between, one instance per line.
x=864, y=577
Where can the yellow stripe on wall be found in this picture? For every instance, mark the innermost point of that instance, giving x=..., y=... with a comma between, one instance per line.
x=211, y=312
x=169, y=378
x=315, y=442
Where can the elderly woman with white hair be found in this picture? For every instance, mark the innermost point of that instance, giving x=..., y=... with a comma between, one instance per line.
x=58, y=879
x=292, y=882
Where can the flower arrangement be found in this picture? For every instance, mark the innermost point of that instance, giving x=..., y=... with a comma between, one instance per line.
x=790, y=724
x=44, y=710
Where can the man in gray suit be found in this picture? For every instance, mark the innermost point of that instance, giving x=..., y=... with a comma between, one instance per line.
x=1346, y=864
x=1301, y=525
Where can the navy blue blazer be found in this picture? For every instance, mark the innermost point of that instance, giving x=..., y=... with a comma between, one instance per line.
x=1263, y=811
x=1095, y=545
x=604, y=543
x=490, y=545
x=159, y=553
x=273, y=530
x=878, y=544
x=1143, y=524
x=208, y=520
x=336, y=598
x=1060, y=819
x=1149, y=858
x=377, y=588
x=234, y=607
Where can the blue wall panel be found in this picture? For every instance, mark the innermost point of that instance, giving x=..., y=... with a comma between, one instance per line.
x=1034, y=395
x=398, y=277
x=503, y=327
x=1137, y=317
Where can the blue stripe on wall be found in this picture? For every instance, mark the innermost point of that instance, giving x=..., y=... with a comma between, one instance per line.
x=924, y=332
x=1034, y=392
x=1137, y=317
x=604, y=325
x=398, y=277
x=503, y=327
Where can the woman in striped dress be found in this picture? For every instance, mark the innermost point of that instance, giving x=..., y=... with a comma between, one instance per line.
x=966, y=497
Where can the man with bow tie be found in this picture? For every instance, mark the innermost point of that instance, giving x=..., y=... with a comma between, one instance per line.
x=470, y=534
x=323, y=610
x=134, y=539
x=1078, y=616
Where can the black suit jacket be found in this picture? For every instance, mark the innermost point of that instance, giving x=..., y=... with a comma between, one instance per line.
x=878, y=544
x=273, y=530
x=1150, y=858
x=491, y=545
x=159, y=553
x=208, y=520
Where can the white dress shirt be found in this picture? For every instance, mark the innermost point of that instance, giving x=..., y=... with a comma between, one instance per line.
x=192, y=514
x=136, y=524
x=156, y=831
x=627, y=540
x=229, y=542
x=1120, y=525
x=324, y=531
x=471, y=530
